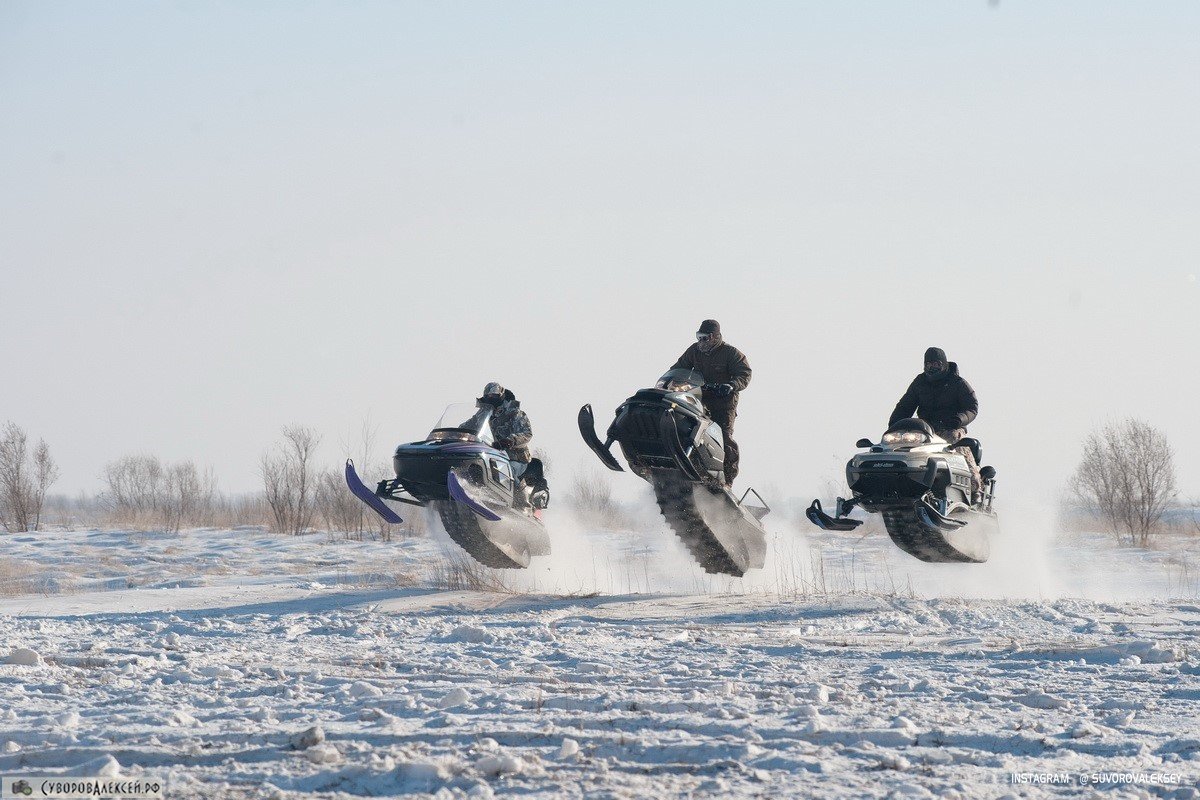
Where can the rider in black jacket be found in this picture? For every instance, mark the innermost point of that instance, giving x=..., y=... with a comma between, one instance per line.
x=941, y=397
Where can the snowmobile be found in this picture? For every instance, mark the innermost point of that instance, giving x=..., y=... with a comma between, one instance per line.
x=476, y=489
x=669, y=440
x=922, y=487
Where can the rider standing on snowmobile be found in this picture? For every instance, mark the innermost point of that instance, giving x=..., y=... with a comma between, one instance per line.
x=511, y=432
x=941, y=397
x=726, y=372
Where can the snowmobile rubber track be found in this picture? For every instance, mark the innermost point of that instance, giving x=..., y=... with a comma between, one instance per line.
x=466, y=529
x=922, y=542
x=676, y=501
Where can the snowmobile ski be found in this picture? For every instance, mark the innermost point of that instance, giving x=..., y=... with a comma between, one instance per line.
x=361, y=491
x=587, y=427
x=460, y=495
x=817, y=516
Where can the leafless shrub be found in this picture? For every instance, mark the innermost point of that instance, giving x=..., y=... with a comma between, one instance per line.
x=24, y=479
x=141, y=491
x=289, y=482
x=189, y=496
x=458, y=573
x=590, y=498
x=339, y=510
x=1127, y=476
x=133, y=487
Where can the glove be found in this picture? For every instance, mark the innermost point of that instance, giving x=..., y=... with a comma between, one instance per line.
x=720, y=389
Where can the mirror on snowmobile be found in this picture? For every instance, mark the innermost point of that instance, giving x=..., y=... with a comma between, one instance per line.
x=864, y=443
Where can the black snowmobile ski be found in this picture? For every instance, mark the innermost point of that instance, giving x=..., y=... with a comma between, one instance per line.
x=587, y=427
x=669, y=440
x=817, y=516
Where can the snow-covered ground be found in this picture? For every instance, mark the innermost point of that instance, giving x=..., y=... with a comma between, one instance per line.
x=242, y=664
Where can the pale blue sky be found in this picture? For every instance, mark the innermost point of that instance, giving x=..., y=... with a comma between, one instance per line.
x=216, y=219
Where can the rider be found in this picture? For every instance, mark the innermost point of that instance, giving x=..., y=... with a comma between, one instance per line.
x=727, y=373
x=511, y=432
x=941, y=397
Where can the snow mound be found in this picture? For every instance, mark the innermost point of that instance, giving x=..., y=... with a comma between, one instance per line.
x=471, y=634
x=456, y=697
x=24, y=657
x=308, y=738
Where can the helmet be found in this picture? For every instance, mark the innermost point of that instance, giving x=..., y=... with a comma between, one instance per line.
x=493, y=394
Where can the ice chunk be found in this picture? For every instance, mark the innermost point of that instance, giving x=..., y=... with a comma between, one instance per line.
x=24, y=657
x=308, y=738
x=471, y=633
x=500, y=765
x=568, y=749
x=322, y=754
x=364, y=689
x=456, y=697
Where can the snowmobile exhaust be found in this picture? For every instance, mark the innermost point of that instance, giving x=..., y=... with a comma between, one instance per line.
x=587, y=427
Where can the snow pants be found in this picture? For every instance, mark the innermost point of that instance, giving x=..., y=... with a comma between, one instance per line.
x=725, y=417
x=953, y=436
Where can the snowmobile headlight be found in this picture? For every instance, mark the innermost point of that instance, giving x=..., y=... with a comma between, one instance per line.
x=905, y=437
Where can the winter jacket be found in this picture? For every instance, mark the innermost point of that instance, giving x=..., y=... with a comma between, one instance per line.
x=946, y=403
x=725, y=364
x=511, y=425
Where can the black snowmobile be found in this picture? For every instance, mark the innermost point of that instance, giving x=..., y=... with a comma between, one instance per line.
x=476, y=489
x=669, y=440
x=923, y=489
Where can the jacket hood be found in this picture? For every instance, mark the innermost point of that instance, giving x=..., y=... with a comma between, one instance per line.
x=951, y=371
x=510, y=400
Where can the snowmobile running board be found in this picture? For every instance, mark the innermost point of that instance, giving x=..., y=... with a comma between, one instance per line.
x=587, y=427
x=361, y=491
x=817, y=516
x=459, y=495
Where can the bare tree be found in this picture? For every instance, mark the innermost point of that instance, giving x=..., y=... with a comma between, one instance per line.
x=24, y=479
x=189, y=496
x=339, y=509
x=134, y=487
x=1127, y=475
x=289, y=481
x=45, y=473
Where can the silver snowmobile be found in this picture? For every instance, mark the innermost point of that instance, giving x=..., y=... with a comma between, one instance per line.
x=669, y=440
x=475, y=488
x=922, y=487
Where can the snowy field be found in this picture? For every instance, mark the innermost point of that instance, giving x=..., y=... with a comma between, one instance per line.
x=242, y=664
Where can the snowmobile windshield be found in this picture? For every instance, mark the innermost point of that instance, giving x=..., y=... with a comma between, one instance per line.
x=466, y=422
x=681, y=380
